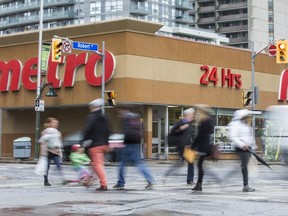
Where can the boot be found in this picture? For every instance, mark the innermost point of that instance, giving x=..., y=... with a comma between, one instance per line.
x=198, y=187
x=46, y=183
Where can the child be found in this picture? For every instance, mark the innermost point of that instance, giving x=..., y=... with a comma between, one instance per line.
x=78, y=158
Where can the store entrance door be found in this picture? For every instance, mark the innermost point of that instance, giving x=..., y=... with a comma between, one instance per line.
x=157, y=140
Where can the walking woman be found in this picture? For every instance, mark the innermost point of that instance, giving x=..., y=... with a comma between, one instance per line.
x=202, y=140
x=51, y=146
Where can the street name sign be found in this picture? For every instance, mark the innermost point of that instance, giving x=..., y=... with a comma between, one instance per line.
x=85, y=46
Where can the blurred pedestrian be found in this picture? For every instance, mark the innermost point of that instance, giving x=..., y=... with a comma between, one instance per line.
x=78, y=159
x=132, y=129
x=241, y=135
x=51, y=146
x=184, y=133
x=97, y=130
x=202, y=141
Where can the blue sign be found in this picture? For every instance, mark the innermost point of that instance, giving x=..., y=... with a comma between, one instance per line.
x=85, y=46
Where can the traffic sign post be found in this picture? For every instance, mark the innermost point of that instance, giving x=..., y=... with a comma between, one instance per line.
x=85, y=46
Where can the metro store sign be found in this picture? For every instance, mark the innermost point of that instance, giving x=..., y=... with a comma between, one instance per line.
x=14, y=72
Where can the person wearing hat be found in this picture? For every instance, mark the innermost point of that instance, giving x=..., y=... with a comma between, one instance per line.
x=241, y=135
x=202, y=141
x=184, y=133
x=97, y=130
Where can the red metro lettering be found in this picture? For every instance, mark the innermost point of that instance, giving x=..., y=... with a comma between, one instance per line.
x=10, y=72
x=283, y=86
x=227, y=78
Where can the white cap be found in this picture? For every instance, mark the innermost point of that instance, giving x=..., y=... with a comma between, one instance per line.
x=188, y=111
x=240, y=114
x=96, y=103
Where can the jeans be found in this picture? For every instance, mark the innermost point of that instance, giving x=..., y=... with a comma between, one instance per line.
x=244, y=157
x=131, y=153
x=57, y=161
x=97, y=155
x=180, y=163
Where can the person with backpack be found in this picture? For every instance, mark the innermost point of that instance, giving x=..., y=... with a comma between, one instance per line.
x=132, y=129
x=97, y=130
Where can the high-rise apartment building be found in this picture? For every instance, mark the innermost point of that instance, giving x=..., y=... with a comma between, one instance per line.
x=232, y=22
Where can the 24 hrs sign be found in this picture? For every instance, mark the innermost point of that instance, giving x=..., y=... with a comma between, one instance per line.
x=225, y=77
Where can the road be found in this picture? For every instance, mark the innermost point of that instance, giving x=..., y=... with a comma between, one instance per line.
x=23, y=193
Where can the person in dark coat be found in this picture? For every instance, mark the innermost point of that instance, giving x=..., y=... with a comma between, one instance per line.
x=184, y=132
x=132, y=129
x=202, y=142
x=97, y=130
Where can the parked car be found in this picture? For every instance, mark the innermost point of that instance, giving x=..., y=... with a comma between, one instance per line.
x=76, y=138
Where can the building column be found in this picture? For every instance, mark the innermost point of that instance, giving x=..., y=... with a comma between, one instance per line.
x=147, y=121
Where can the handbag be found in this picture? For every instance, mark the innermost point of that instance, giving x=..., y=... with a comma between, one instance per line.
x=41, y=166
x=189, y=154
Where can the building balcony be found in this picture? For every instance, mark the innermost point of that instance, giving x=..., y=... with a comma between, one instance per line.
x=183, y=5
x=184, y=19
x=232, y=29
x=140, y=10
x=33, y=6
x=34, y=19
x=206, y=20
x=238, y=40
x=206, y=9
x=232, y=6
x=233, y=17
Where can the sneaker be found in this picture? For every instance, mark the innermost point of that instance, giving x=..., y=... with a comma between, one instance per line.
x=190, y=184
x=198, y=187
x=118, y=187
x=149, y=186
x=102, y=188
x=247, y=188
x=46, y=183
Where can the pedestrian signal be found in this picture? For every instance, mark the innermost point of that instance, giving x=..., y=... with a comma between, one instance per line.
x=247, y=96
x=111, y=98
x=56, y=50
x=282, y=52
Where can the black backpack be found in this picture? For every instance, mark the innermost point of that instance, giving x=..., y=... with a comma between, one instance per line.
x=132, y=128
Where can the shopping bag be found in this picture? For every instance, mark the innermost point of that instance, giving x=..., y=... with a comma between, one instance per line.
x=189, y=154
x=41, y=166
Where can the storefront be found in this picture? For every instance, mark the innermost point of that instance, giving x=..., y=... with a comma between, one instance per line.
x=154, y=75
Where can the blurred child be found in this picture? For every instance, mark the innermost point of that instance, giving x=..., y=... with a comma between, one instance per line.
x=78, y=158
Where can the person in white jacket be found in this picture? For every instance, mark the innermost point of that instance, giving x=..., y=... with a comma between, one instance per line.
x=242, y=137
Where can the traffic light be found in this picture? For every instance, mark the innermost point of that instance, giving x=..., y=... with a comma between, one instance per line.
x=282, y=52
x=111, y=98
x=56, y=50
x=247, y=96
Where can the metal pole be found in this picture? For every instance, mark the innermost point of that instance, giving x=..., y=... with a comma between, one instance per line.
x=103, y=76
x=38, y=92
x=253, y=84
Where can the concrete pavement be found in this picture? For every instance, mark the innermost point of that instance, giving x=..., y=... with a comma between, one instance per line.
x=23, y=193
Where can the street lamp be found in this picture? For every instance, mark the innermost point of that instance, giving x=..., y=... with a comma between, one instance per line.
x=50, y=93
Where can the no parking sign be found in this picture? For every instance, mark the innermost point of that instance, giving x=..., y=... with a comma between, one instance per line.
x=66, y=46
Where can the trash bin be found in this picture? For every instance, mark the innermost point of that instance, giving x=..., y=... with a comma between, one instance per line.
x=22, y=147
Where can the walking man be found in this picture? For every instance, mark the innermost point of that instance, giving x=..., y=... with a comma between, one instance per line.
x=184, y=132
x=97, y=130
x=131, y=153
